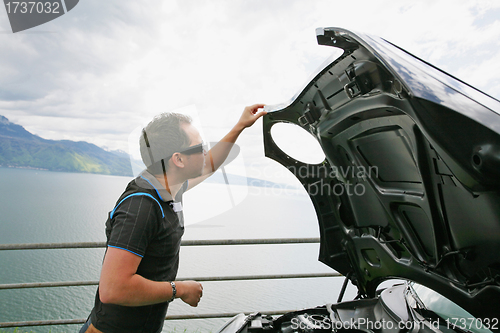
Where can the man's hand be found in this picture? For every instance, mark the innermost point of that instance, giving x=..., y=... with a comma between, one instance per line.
x=189, y=291
x=251, y=114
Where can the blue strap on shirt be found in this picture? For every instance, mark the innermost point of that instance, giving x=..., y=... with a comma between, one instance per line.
x=133, y=195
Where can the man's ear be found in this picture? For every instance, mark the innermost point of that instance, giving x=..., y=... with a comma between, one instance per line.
x=178, y=160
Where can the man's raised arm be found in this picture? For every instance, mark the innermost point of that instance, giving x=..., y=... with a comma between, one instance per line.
x=218, y=154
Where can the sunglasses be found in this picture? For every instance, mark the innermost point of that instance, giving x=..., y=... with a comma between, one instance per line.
x=196, y=149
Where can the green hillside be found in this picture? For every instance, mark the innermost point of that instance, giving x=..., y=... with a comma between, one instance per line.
x=19, y=148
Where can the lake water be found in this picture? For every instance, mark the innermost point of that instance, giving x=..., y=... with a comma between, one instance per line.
x=50, y=207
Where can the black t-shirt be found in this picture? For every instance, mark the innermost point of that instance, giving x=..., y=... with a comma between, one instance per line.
x=146, y=222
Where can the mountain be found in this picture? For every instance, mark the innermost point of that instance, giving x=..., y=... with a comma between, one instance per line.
x=20, y=148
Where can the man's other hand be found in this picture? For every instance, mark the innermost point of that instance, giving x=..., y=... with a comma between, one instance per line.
x=189, y=291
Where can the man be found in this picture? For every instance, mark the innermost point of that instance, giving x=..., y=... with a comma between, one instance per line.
x=144, y=229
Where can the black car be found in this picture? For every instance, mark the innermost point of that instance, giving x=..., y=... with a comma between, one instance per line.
x=409, y=190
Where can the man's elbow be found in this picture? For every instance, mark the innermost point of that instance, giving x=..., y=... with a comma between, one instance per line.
x=109, y=295
x=106, y=297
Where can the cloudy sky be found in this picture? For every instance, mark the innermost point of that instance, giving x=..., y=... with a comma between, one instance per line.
x=104, y=68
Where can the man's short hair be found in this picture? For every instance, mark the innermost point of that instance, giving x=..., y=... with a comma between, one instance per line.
x=161, y=138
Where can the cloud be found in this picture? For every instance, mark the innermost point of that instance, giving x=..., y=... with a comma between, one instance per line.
x=99, y=71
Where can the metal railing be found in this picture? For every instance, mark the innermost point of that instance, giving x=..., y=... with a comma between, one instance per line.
x=83, y=245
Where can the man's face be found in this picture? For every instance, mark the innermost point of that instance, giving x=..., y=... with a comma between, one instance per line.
x=194, y=162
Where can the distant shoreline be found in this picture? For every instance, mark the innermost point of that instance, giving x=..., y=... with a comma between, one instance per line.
x=29, y=168
x=237, y=180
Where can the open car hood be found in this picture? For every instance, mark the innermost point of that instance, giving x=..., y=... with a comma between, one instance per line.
x=420, y=152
